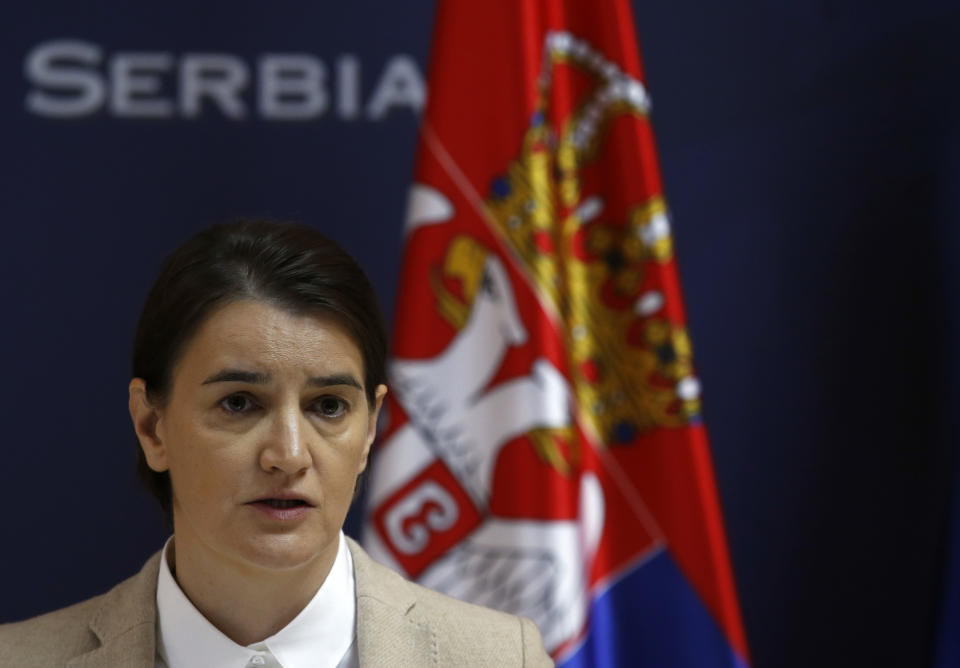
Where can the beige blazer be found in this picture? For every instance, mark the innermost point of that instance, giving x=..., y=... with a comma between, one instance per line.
x=399, y=623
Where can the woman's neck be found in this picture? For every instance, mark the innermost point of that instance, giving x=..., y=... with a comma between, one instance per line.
x=247, y=604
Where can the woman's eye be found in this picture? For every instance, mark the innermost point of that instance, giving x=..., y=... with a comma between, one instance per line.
x=331, y=407
x=237, y=403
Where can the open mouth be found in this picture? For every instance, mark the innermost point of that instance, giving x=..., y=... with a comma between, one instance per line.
x=282, y=503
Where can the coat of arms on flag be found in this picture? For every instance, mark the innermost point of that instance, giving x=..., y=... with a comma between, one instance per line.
x=544, y=454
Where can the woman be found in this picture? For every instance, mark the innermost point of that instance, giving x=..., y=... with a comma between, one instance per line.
x=258, y=377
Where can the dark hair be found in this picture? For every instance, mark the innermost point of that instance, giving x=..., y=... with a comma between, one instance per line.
x=287, y=265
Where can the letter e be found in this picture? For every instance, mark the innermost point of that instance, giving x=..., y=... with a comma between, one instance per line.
x=132, y=79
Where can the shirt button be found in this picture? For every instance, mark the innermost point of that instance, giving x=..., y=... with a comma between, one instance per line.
x=257, y=661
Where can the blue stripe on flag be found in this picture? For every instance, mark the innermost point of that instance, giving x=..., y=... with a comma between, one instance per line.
x=652, y=617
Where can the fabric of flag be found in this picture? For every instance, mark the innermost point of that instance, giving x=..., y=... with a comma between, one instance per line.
x=543, y=452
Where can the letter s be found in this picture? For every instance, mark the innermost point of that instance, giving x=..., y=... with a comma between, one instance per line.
x=60, y=66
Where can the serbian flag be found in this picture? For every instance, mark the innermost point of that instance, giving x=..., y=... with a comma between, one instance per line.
x=544, y=452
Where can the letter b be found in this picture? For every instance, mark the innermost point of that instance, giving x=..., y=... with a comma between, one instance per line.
x=292, y=87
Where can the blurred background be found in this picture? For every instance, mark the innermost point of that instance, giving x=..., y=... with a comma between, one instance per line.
x=811, y=156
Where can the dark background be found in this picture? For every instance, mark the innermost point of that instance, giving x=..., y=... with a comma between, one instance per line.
x=811, y=155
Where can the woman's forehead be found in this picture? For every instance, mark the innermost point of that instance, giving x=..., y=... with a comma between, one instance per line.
x=258, y=334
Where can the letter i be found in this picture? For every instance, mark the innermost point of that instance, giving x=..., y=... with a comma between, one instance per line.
x=348, y=87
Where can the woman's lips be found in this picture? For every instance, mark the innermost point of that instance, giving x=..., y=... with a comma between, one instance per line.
x=283, y=510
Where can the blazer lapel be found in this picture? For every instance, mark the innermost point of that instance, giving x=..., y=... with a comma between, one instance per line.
x=388, y=634
x=125, y=623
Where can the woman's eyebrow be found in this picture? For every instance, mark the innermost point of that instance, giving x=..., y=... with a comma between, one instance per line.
x=258, y=378
x=238, y=376
x=335, y=379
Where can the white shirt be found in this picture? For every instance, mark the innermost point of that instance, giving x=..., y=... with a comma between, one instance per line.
x=323, y=635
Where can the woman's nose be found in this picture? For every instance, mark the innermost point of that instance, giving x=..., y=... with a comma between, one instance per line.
x=286, y=448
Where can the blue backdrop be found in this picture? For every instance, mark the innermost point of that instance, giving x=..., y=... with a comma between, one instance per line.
x=811, y=154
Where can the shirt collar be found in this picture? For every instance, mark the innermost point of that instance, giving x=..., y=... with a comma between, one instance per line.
x=319, y=636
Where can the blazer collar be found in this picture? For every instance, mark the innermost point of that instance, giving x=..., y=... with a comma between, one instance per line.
x=125, y=623
x=389, y=629
x=390, y=632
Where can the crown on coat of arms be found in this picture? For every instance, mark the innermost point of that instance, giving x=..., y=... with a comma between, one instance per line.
x=629, y=364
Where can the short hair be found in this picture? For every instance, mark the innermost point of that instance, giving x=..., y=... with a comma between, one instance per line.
x=284, y=264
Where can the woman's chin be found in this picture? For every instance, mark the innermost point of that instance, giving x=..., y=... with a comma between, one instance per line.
x=287, y=552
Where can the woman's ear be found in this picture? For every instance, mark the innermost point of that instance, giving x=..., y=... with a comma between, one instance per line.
x=145, y=418
x=378, y=396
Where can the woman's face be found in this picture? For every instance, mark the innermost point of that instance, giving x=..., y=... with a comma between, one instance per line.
x=264, y=433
